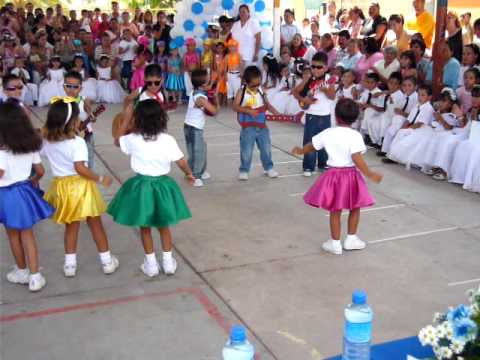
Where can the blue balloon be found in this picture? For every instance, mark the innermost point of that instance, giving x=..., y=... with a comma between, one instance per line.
x=197, y=8
x=179, y=41
x=267, y=23
x=204, y=36
x=205, y=25
x=205, y=1
x=247, y=1
x=188, y=25
x=259, y=6
x=227, y=4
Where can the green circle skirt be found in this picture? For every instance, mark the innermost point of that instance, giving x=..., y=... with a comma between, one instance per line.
x=149, y=201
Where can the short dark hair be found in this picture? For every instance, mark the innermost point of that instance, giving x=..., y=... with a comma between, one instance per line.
x=372, y=76
x=57, y=128
x=476, y=91
x=370, y=45
x=199, y=78
x=413, y=79
x=397, y=75
x=427, y=88
x=16, y=130
x=476, y=23
x=420, y=43
x=475, y=72
x=396, y=18
x=320, y=57
x=476, y=50
x=250, y=73
x=153, y=70
x=150, y=119
x=345, y=34
x=411, y=56
x=347, y=110
x=72, y=74
x=7, y=78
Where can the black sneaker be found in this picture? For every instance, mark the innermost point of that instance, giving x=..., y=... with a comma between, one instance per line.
x=388, y=161
x=381, y=153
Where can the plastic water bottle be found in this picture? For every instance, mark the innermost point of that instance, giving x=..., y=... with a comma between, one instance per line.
x=358, y=328
x=237, y=346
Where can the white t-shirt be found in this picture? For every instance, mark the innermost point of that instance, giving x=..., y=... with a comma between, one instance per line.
x=128, y=55
x=245, y=35
x=288, y=31
x=340, y=143
x=323, y=105
x=64, y=154
x=151, y=158
x=146, y=96
x=421, y=114
x=195, y=116
x=17, y=167
x=309, y=53
x=21, y=72
x=387, y=71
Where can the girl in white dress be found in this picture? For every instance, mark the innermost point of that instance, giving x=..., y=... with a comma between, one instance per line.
x=415, y=126
x=470, y=59
x=89, y=84
x=434, y=150
x=283, y=100
x=465, y=168
x=109, y=90
x=53, y=85
x=270, y=76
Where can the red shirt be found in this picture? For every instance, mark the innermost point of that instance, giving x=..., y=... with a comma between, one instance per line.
x=299, y=52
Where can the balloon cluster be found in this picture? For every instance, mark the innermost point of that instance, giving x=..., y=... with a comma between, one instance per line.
x=193, y=17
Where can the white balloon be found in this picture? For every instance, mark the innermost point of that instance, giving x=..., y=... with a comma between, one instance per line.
x=198, y=31
x=176, y=31
x=267, y=39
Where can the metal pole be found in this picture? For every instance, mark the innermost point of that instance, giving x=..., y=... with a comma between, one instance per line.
x=276, y=28
x=437, y=56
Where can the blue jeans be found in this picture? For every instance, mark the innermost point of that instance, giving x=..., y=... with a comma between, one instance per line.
x=248, y=137
x=314, y=124
x=90, y=140
x=197, y=150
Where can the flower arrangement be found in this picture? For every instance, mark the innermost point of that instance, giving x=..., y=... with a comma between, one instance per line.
x=455, y=334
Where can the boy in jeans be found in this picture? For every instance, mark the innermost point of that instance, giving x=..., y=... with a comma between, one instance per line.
x=198, y=104
x=315, y=95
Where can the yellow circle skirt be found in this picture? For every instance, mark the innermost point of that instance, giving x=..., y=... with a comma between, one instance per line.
x=74, y=198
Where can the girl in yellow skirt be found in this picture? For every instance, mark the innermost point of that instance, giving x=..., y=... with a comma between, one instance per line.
x=74, y=192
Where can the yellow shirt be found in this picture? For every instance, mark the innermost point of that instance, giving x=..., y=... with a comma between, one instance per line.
x=425, y=25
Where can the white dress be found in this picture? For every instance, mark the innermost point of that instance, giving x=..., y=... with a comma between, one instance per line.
x=108, y=90
x=272, y=87
x=89, y=87
x=51, y=87
x=372, y=119
x=283, y=100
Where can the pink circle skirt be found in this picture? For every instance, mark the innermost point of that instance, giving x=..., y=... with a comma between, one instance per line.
x=339, y=189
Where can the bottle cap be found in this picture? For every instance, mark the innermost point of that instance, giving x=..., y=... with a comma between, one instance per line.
x=359, y=297
x=238, y=333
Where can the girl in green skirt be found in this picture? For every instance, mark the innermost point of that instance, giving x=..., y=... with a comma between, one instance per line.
x=151, y=198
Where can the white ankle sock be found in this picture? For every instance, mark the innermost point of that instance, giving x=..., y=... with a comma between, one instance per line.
x=351, y=236
x=23, y=270
x=71, y=259
x=151, y=259
x=105, y=257
x=167, y=255
x=35, y=276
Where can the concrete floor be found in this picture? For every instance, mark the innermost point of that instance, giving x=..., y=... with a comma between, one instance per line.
x=250, y=254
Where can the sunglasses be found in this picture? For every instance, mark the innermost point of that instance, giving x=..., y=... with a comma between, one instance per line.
x=319, y=67
x=13, y=88
x=154, y=83
x=70, y=86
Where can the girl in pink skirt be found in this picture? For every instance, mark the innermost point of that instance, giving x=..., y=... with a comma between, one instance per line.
x=341, y=187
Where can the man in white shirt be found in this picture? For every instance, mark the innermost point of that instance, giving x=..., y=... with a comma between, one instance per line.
x=126, y=51
x=288, y=29
x=247, y=32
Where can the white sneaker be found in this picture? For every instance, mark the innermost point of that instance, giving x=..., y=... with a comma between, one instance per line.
x=272, y=174
x=198, y=183
x=36, y=283
x=205, y=176
x=150, y=270
x=243, y=176
x=333, y=247
x=352, y=242
x=169, y=266
x=70, y=270
x=307, y=173
x=111, y=267
x=18, y=276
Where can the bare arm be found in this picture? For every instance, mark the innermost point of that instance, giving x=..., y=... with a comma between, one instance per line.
x=183, y=165
x=241, y=109
x=258, y=40
x=39, y=172
x=125, y=125
x=360, y=163
x=305, y=150
x=85, y=172
x=207, y=105
x=329, y=92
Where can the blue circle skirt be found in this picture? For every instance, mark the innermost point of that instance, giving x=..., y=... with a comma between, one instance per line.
x=22, y=206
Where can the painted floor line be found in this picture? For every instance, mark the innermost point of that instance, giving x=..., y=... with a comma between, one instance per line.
x=282, y=162
x=296, y=194
x=456, y=283
x=394, y=206
x=290, y=175
x=238, y=153
x=422, y=233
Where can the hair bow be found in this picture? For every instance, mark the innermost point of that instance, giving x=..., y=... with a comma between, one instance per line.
x=66, y=100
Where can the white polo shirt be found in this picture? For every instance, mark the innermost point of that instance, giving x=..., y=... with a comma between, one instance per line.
x=245, y=35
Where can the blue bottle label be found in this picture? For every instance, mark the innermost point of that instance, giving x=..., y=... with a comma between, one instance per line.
x=358, y=332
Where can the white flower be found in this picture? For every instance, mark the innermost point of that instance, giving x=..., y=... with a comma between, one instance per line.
x=428, y=336
x=448, y=328
x=446, y=353
x=457, y=346
x=441, y=331
x=437, y=317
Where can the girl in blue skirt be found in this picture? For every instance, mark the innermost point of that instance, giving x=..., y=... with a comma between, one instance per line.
x=21, y=202
x=151, y=198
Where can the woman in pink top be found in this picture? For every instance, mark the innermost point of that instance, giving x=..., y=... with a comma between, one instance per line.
x=371, y=55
